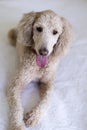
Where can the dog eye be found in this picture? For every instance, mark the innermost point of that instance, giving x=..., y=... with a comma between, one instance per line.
x=55, y=32
x=39, y=29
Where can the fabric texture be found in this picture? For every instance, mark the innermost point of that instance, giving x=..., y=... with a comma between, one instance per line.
x=68, y=109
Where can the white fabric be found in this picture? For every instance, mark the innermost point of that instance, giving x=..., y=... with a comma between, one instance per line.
x=68, y=110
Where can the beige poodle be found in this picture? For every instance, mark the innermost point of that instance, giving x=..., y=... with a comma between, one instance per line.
x=40, y=38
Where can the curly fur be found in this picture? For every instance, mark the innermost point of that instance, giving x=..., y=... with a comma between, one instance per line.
x=25, y=37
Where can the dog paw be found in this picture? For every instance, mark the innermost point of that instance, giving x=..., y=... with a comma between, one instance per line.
x=31, y=119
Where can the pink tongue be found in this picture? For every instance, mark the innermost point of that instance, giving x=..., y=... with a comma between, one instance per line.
x=41, y=60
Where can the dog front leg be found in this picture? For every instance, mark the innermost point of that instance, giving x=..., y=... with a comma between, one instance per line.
x=35, y=116
x=21, y=79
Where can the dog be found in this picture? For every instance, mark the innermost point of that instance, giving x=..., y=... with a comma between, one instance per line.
x=41, y=38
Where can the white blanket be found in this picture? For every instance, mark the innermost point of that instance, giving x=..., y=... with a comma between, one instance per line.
x=68, y=110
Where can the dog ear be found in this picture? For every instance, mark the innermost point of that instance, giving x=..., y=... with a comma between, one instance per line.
x=25, y=29
x=64, y=39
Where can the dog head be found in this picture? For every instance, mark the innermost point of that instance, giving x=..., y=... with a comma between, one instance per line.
x=45, y=31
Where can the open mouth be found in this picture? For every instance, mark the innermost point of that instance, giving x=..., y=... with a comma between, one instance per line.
x=41, y=60
x=42, y=57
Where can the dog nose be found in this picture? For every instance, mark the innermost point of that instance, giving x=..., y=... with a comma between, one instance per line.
x=43, y=51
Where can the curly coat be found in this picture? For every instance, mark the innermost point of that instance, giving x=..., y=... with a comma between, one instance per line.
x=26, y=36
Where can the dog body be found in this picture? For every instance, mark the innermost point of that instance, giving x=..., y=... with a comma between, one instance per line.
x=40, y=38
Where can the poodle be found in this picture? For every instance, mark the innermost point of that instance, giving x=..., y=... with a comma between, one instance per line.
x=41, y=38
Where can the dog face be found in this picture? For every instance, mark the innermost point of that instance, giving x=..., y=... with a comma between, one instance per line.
x=45, y=31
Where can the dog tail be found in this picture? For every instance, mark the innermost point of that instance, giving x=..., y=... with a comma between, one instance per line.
x=12, y=35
